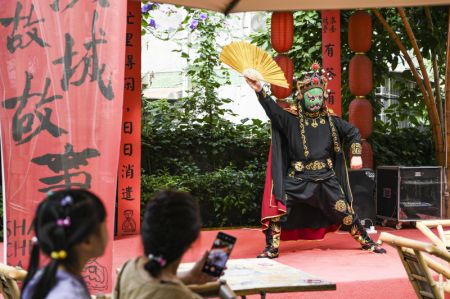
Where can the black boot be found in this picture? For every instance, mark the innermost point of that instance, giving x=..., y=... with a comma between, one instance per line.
x=272, y=234
x=359, y=233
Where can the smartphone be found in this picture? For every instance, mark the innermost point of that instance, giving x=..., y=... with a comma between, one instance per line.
x=219, y=254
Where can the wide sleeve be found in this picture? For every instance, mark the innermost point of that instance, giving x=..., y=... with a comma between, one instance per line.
x=350, y=135
x=276, y=114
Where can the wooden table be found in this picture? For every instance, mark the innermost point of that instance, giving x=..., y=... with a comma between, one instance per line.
x=263, y=276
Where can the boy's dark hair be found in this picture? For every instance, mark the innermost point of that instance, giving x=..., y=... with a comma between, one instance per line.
x=64, y=219
x=171, y=223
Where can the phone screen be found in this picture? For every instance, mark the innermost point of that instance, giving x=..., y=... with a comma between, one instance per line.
x=219, y=254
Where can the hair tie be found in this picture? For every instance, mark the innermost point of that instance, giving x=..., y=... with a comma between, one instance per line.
x=66, y=200
x=159, y=259
x=58, y=255
x=63, y=221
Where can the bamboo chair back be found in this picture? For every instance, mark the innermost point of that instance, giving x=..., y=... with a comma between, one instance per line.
x=418, y=265
x=9, y=276
x=441, y=237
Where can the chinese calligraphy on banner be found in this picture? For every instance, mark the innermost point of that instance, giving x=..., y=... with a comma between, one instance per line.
x=129, y=173
x=331, y=57
x=61, y=96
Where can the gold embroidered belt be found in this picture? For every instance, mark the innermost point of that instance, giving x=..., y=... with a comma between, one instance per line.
x=313, y=165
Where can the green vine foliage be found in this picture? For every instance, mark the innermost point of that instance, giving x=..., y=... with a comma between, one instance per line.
x=222, y=164
x=409, y=147
x=190, y=144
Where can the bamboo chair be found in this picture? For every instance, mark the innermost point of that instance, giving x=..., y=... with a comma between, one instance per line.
x=417, y=263
x=9, y=276
x=442, y=237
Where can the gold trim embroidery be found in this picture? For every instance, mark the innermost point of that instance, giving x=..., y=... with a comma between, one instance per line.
x=354, y=230
x=340, y=206
x=312, y=114
x=312, y=118
x=263, y=92
x=350, y=209
x=298, y=166
x=356, y=149
x=337, y=147
x=330, y=163
x=302, y=129
x=276, y=240
x=347, y=220
x=264, y=219
x=316, y=165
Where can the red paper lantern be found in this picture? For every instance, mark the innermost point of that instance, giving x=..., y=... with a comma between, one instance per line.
x=367, y=155
x=360, y=75
x=282, y=31
x=360, y=31
x=287, y=66
x=361, y=116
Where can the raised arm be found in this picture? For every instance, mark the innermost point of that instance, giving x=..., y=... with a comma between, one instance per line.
x=276, y=114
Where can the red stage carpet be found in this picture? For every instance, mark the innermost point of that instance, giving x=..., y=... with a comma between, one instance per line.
x=357, y=274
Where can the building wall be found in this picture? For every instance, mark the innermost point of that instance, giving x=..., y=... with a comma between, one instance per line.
x=164, y=76
x=388, y=95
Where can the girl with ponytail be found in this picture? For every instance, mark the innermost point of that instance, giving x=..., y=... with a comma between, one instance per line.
x=171, y=224
x=70, y=229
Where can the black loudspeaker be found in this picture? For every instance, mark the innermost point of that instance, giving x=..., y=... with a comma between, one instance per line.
x=362, y=184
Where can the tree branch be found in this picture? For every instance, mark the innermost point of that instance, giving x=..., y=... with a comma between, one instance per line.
x=430, y=107
x=419, y=57
x=437, y=91
x=437, y=85
x=447, y=95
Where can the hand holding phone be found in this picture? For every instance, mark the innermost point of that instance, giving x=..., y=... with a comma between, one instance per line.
x=219, y=254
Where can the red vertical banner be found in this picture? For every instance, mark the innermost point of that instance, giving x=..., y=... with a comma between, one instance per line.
x=129, y=172
x=61, y=95
x=331, y=57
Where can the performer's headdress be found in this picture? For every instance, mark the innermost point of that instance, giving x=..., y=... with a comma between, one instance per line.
x=317, y=78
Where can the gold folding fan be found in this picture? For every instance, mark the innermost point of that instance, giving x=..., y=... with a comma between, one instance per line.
x=254, y=63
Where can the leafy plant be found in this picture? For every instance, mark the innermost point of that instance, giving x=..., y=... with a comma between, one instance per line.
x=227, y=196
x=408, y=147
x=190, y=144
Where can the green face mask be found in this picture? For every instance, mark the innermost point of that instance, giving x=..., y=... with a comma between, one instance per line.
x=313, y=99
